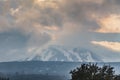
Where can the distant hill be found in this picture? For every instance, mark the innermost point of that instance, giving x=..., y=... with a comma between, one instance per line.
x=44, y=67
x=37, y=67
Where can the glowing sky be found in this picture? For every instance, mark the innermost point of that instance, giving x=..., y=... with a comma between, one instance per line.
x=28, y=26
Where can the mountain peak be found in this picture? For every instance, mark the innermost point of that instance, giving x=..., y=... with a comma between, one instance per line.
x=59, y=53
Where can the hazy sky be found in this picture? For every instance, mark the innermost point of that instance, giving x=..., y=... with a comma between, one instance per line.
x=28, y=26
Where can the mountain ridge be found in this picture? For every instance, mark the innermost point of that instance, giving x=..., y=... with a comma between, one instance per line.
x=59, y=53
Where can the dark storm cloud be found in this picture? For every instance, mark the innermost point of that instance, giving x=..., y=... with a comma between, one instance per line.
x=86, y=12
x=76, y=11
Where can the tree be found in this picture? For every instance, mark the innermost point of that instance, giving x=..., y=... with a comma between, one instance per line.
x=117, y=77
x=92, y=72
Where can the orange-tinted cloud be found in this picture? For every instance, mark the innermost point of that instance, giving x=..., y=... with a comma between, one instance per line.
x=110, y=45
x=109, y=24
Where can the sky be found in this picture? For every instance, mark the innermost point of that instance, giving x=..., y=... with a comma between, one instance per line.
x=28, y=26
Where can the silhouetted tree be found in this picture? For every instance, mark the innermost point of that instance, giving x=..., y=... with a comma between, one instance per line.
x=117, y=77
x=93, y=72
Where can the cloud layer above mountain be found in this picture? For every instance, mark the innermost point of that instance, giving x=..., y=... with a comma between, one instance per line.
x=28, y=26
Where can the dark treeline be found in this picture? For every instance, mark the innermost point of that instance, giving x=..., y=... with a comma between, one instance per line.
x=4, y=78
x=94, y=72
x=35, y=77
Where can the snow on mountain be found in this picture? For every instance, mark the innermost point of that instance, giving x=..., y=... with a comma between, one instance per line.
x=59, y=53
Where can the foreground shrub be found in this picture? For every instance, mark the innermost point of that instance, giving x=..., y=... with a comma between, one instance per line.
x=94, y=72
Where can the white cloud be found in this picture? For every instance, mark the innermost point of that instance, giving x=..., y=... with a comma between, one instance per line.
x=14, y=11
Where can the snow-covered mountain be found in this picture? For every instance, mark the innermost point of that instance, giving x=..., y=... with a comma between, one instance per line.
x=59, y=53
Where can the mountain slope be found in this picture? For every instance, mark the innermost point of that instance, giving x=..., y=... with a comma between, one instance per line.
x=58, y=53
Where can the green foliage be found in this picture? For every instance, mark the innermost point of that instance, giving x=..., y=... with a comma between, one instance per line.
x=94, y=72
